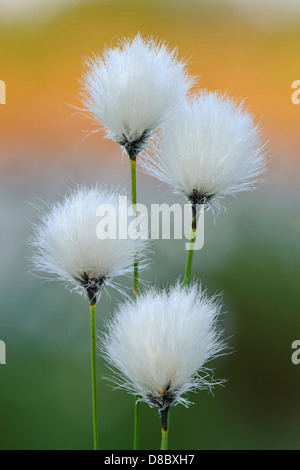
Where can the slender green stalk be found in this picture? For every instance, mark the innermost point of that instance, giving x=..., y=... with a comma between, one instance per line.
x=136, y=434
x=189, y=261
x=133, y=182
x=136, y=430
x=164, y=429
x=164, y=439
x=133, y=199
x=94, y=377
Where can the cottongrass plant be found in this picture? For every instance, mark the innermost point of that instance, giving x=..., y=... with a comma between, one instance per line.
x=211, y=148
x=132, y=90
x=68, y=247
x=158, y=346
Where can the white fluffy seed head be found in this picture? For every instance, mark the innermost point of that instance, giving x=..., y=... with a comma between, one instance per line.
x=131, y=89
x=67, y=246
x=158, y=345
x=211, y=148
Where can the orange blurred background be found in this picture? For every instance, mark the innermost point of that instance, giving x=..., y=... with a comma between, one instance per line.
x=41, y=60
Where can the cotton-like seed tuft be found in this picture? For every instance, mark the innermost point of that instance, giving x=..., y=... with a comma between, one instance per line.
x=133, y=88
x=211, y=148
x=158, y=346
x=67, y=246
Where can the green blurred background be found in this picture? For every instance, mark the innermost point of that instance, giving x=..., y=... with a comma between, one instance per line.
x=251, y=250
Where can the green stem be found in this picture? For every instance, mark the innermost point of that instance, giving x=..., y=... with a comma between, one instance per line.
x=136, y=430
x=189, y=261
x=164, y=439
x=136, y=435
x=133, y=199
x=133, y=182
x=164, y=429
x=94, y=377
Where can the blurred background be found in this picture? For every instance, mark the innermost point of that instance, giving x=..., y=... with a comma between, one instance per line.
x=251, y=252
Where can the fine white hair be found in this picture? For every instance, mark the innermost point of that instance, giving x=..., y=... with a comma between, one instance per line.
x=67, y=246
x=211, y=148
x=158, y=345
x=133, y=88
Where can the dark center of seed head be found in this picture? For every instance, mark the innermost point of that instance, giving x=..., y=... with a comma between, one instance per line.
x=163, y=401
x=92, y=286
x=198, y=197
x=134, y=147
